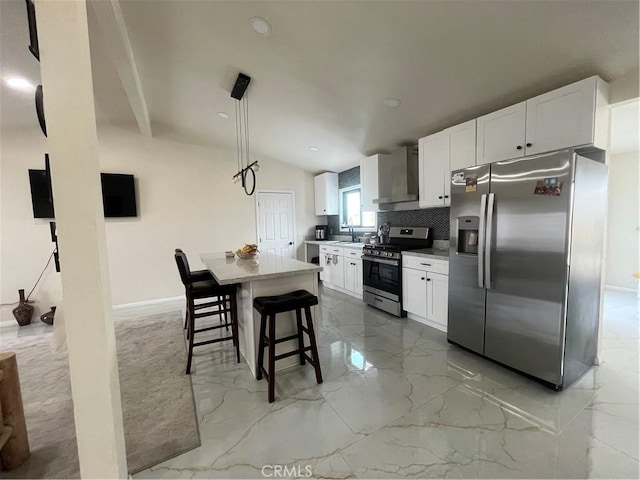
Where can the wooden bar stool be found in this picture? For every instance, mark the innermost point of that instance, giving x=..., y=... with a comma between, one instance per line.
x=197, y=276
x=221, y=298
x=268, y=307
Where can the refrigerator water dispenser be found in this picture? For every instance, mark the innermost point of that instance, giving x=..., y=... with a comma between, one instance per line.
x=468, y=235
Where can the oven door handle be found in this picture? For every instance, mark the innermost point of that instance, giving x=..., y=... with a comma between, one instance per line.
x=395, y=263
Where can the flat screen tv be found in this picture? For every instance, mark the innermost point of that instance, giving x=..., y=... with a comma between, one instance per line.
x=41, y=196
x=118, y=194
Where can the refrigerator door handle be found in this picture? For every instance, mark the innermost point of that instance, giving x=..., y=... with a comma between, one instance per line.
x=489, y=242
x=481, y=232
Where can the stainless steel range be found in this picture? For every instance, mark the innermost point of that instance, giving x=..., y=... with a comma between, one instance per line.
x=382, y=267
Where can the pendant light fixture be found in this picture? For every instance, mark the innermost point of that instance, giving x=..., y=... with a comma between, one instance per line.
x=246, y=169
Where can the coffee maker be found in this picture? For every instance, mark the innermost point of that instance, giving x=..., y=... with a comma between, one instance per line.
x=322, y=232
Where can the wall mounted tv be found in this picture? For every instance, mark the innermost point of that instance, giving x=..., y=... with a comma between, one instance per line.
x=118, y=194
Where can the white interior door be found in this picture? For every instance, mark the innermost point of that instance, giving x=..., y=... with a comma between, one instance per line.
x=276, y=229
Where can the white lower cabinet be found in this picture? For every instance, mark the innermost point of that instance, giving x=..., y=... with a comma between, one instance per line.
x=425, y=291
x=325, y=259
x=342, y=269
x=414, y=291
x=438, y=298
x=353, y=275
x=337, y=270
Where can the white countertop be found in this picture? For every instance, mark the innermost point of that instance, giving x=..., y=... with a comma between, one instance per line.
x=235, y=270
x=435, y=253
x=335, y=243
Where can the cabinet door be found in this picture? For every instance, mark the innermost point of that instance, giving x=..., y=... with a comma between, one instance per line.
x=331, y=194
x=320, y=195
x=337, y=271
x=462, y=152
x=437, y=297
x=433, y=160
x=349, y=275
x=369, y=183
x=562, y=118
x=414, y=292
x=358, y=280
x=500, y=134
x=325, y=274
x=326, y=193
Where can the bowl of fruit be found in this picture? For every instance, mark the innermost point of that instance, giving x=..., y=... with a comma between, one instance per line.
x=249, y=250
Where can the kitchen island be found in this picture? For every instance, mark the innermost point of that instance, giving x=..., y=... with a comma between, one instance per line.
x=268, y=274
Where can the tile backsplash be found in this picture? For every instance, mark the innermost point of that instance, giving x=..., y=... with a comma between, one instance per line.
x=435, y=218
x=349, y=178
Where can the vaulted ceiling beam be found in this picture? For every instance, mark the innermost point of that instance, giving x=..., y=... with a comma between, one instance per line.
x=116, y=40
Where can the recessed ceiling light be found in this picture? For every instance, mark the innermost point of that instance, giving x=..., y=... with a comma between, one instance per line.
x=223, y=114
x=20, y=83
x=313, y=148
x=260, y=26
x=392, y=102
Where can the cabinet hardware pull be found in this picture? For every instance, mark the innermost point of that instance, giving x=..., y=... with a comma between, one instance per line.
x=529, y=144
x=422, y=278
x=519, y=147
x=440, y=197
x=446, y=196
x=428, y=279
x=426, y=264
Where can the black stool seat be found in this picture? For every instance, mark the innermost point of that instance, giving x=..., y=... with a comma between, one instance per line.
x=200, y=275
x=211, y=288
x=284, y=303
x=268, y=308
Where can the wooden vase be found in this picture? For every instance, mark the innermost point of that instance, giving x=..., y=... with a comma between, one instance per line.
x=24, y=311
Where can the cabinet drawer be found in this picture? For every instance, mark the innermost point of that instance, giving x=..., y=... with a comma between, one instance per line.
x=337, y=251
x=352, y=252
x=426, y=264
x=325, y=249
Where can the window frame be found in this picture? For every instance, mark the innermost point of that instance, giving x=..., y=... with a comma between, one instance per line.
x=343, y=226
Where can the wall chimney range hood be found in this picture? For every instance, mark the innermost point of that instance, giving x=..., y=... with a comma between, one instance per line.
x=398, y=176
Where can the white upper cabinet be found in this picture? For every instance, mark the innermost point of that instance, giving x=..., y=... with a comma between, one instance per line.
x=571, y=116
x=439, y=154
x=433, y=155
x=326, y=193
x=369, y=183
x=565, y=117
x=462, y=145
x=501, y=134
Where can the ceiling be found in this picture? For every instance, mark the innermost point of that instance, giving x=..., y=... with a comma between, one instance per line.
x=321, y=77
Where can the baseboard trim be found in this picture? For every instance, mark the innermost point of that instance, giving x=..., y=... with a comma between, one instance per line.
x=145, y=303
x=620, y=289
x=122, y=306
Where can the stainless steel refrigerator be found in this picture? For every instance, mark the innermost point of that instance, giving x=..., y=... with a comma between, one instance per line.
x=525, y=263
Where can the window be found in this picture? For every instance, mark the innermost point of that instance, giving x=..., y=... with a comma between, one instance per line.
x=351, y=213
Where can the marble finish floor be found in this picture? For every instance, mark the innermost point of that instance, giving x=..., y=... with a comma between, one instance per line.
x=398, y=401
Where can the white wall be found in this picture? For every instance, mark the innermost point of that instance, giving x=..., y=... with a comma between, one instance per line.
x=623, y=221
x=186, y=199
